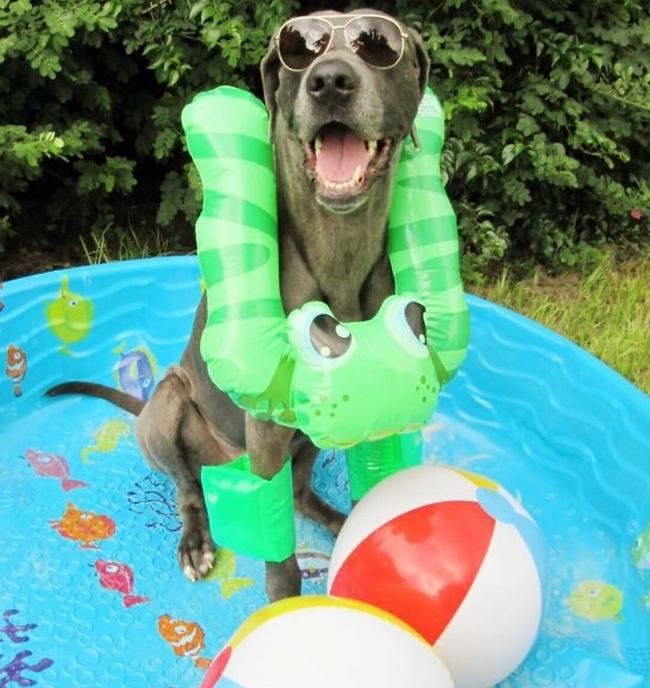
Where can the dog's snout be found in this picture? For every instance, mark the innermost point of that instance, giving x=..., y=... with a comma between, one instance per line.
x=332, y=79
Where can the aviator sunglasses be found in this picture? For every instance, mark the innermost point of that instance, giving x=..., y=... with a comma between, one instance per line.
x=376, y=39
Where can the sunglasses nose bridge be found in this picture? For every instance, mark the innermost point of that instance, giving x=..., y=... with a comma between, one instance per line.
x=338, y=37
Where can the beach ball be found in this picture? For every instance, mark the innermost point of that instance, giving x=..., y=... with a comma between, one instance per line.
x=325, y=642
x=457, y=558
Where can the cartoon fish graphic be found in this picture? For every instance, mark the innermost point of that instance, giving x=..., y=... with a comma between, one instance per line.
x=597, y=601
x=49, y=465
x=107, y=437
x=641, y=551
x=224, y=573
x=136, y=371
x=186, y=638
x=69, y=316
x=84, y=526
x=119, y=577
x=314, y=564
x=16, y=367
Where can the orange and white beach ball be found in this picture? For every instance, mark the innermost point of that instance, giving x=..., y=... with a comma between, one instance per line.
x=325, y=642
x=457, y=558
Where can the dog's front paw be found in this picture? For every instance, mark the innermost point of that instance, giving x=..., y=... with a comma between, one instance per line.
x=196, y=553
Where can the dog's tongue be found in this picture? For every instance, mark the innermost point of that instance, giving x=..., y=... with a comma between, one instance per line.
x=340, y=153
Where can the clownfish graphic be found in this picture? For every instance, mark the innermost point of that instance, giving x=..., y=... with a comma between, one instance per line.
x=186, y=638
x=16, y=367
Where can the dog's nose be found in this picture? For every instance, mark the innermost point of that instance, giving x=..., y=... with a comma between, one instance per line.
x=332, y=79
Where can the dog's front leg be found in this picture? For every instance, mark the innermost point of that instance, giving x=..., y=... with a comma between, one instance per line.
x=267, y=445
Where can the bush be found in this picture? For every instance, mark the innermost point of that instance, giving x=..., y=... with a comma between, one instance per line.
x=549, y=118
x=92, y=92
x=548, y=106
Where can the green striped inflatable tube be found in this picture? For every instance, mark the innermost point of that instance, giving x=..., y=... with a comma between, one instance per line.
x=370, y=379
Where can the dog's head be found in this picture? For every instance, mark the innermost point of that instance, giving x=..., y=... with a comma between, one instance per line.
x=339, y=121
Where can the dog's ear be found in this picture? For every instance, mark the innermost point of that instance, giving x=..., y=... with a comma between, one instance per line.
x=270, y=68
x=422, y=64
x=422, y=59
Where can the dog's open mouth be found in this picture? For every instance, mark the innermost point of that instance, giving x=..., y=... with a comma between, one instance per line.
x=342, y=163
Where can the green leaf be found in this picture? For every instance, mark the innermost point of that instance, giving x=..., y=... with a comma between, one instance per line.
x=527, y=125
x=511, y=151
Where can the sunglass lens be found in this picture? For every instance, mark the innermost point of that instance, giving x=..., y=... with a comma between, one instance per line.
x=375, y=40
x=301, y=41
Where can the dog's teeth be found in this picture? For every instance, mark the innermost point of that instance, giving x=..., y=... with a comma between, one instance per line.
x=317, y=145
x=372, y=147
x=338, y=187
x=356, y=177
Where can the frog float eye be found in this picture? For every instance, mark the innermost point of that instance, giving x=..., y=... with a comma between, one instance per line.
x=328, y=337
x=405, y=321
x=319, y=337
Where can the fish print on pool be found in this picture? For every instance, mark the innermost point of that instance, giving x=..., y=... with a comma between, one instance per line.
x=314, y=564
x=223, y=572
x=16, y=367
x=641, y=551
x=135, y=371
x=11, y=672
x=84, y=526
x=186, y=638
x=49, y=465
x=597, y=601
x=119, y=577
x=69, y=316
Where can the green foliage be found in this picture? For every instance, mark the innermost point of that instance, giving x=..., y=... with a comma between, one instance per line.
x=548, y=107
x=90, y=101
x=549, y=123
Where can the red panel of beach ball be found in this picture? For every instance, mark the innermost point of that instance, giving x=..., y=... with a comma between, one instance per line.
x=436, y=551
x=457, y=558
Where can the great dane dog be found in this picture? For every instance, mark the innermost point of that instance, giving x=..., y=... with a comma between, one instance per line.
x=342, y=91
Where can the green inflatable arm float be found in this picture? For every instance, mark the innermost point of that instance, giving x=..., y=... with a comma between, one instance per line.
x=340, y=383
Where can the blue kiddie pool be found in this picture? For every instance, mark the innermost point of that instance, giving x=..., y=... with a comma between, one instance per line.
x=91, y=593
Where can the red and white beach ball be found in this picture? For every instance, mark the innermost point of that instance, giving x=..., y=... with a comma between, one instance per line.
x=325, y=642
x=456, y=557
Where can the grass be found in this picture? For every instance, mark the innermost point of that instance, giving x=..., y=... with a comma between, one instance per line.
x=606, y=310
x=109, y=245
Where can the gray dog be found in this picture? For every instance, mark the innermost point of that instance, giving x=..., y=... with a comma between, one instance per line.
x=342, y=91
